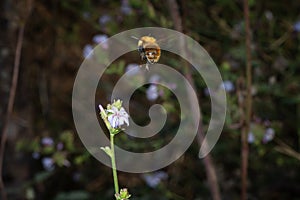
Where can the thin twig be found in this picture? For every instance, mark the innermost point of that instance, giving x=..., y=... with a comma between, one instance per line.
x=10, y=105
x=12, y=95
x=208, y=162
x=246, y=128
x=286, y=149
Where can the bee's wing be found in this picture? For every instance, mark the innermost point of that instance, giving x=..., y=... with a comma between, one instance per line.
x=166, y=42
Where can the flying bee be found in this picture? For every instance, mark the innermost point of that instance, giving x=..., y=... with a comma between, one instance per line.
x=149, y=50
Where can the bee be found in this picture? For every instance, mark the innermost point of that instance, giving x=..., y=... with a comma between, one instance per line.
x=149, y=50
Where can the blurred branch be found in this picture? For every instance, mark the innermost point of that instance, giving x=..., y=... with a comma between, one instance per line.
x=220, y=21
x=286, y=149
x=173, y=8
x=240, y=98
x=248, y=107
x=208, y=161
x=12, y=94
x=281, y=40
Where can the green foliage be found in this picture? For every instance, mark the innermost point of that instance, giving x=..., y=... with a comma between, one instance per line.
x=117, y=68
x=67, y=137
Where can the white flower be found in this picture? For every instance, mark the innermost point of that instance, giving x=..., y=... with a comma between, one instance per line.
x=269, y=15
x=153, y=179
x=269, y=135
x=47, y=141
x=125, y=8
x=152, y=93
x=117, y=117
x=87, y=51
x=297, y=26
x=66, y=163
x=48, y=163
x=154, y=79
x=228, y=86
x=36, y=155
x=132, y=69
x=104, y=19
x=102, y=40
x=251, y=138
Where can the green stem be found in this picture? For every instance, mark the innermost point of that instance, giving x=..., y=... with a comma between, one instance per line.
x=113, y=163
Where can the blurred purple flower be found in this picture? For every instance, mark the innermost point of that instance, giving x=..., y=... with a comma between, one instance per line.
x=60, y=146
x=227, y=85
x=47, y=141
x=153, y=179
x=48, y=163
x=269, y=135
x=132, y=69
x=208, y=92
x=101, y=39
x=125, y=7
x=67, y=163
x=104, y=19
x=251, y=138
x=87, y=51
x=152, y=92
x=36, y=155
x=154, y=79
x=267, y=123
x=172, y=86
x=161, y=93
x=297, y=26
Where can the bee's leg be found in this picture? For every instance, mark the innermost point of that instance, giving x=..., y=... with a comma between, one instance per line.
x=141, y=64
x=147, y=66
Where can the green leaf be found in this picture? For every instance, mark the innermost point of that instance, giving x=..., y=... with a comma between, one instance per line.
x=117, y=68
x=107, y=150
x=59, y=158
x=115, y=131
x=42, y=176
x=68, y=138
x=48, y=150
x=81, y=158
x=151, y=11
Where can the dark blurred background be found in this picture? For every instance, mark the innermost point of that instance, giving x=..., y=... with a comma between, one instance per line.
x=44, y=158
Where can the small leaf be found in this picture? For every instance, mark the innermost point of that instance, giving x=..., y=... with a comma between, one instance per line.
x=107, y=150
x=59, y=158
x=42, y=176
x=115, y=131
x=68, y=138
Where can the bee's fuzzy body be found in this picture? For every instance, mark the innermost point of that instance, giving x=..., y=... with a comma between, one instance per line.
x=149, y=49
